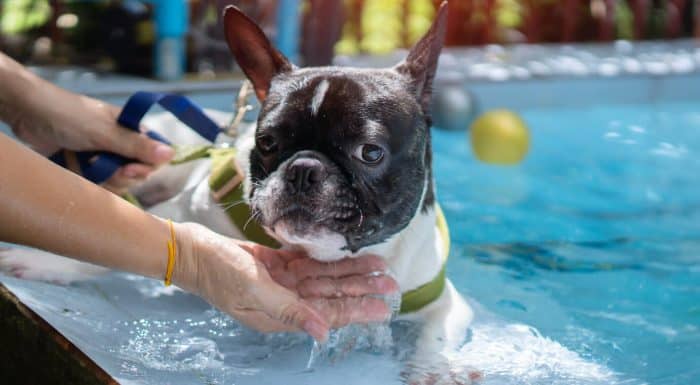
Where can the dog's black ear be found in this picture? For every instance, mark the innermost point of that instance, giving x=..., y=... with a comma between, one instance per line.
x=422, y=60
x=258, y=59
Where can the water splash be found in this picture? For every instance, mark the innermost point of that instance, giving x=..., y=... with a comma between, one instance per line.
x=519, y=354
x=374, y=337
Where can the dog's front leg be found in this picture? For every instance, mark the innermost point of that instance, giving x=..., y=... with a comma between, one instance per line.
x=444, y=328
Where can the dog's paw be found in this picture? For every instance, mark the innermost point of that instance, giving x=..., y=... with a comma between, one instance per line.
x=450, y=378
x=39, y=265
x=441, y=374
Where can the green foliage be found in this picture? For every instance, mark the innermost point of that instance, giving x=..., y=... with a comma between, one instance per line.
x=421, y=14
x=657, y=22
x=347, y=45
x=624, y=20
x=23, y=15
x=383, y=28
x=508, y=13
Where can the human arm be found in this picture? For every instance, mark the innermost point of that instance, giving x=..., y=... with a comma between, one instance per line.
x=49, y=118
x=44, y=206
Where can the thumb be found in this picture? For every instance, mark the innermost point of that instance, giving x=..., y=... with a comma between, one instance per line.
x=286, y=307
x=138, y=146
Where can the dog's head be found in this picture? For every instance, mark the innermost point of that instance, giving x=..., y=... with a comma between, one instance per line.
x=342, y=156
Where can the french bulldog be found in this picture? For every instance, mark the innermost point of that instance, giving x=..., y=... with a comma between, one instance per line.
x=341, y=166
x=338, y=165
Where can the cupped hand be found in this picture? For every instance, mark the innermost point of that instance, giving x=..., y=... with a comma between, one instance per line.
x=344, y=292
x=271, y=290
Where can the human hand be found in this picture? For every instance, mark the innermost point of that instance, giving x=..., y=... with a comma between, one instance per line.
x=339, y=290
x=272, y=290
x=50, y=118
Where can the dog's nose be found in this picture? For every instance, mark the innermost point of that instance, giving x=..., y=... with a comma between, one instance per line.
x=303, y=173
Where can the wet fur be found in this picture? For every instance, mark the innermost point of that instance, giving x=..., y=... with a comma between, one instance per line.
x=392, y=205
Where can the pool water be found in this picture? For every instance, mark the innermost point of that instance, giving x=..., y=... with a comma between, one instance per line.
x=594, y=239
x=582, y=263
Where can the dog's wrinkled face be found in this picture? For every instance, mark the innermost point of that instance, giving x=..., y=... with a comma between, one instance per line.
x=339, y=153
x=342, y=156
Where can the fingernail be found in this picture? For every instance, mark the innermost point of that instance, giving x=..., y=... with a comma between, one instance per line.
x=318, y=331
x=163, y=152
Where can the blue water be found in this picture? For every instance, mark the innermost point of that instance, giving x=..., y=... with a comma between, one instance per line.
x=594, y=239
x=582, y=263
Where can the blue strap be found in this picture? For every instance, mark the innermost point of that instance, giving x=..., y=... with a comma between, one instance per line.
x=183, y=109
x=100, y=166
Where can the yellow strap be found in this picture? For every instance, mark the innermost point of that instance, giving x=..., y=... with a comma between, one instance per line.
x=444, y=232
x=172, y=252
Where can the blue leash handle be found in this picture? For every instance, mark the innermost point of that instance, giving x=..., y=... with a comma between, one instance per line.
x=98, y=166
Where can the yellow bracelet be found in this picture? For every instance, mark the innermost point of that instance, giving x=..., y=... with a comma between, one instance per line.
x=172, y=252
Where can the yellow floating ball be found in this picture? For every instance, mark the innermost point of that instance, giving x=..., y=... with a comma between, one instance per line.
x=500, y=136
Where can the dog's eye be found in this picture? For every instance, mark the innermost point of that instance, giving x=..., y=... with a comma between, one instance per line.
x=369, y=153
x=266, y=143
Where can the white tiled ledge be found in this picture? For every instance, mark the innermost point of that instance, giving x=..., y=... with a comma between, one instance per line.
x=521, y=62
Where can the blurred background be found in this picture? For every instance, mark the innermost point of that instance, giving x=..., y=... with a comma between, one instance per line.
x=174, y=39
x=592, y=236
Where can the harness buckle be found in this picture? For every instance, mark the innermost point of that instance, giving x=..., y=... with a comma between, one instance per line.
x=231, y=184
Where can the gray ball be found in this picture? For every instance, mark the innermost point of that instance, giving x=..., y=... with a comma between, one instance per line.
x=452, y=108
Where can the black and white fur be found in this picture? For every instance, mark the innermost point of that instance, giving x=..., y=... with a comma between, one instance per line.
x=342, y=166
x=309, y=181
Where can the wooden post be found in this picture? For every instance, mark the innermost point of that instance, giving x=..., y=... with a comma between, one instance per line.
x=674, y=18
x=323, y=25
x=531, y=21
x=572, y=15
x=641, y=9
x=696, y=19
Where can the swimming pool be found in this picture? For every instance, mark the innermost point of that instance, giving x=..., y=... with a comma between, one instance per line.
x=583, y=262
x=594, y=239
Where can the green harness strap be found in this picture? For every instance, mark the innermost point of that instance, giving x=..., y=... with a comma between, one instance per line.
x=422, y=296
x=225, y=183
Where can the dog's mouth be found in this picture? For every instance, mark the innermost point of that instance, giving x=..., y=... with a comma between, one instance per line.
x=317, y=232
x=329, y=212
x=293, y=214
x=341, y=217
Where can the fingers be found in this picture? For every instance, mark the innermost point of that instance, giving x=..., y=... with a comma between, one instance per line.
x=138, y=146
x=355, y=286
x=138, y=171
x=262, y=322
x=272, y=258
x=342, y=312
x=305, y=267
x=286, y=307
x=338, y=313
x=305, y=318
x=269, y=256
x=126, y=177
x=336, y=294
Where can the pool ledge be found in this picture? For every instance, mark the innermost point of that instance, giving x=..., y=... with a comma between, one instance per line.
x=34, y=352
